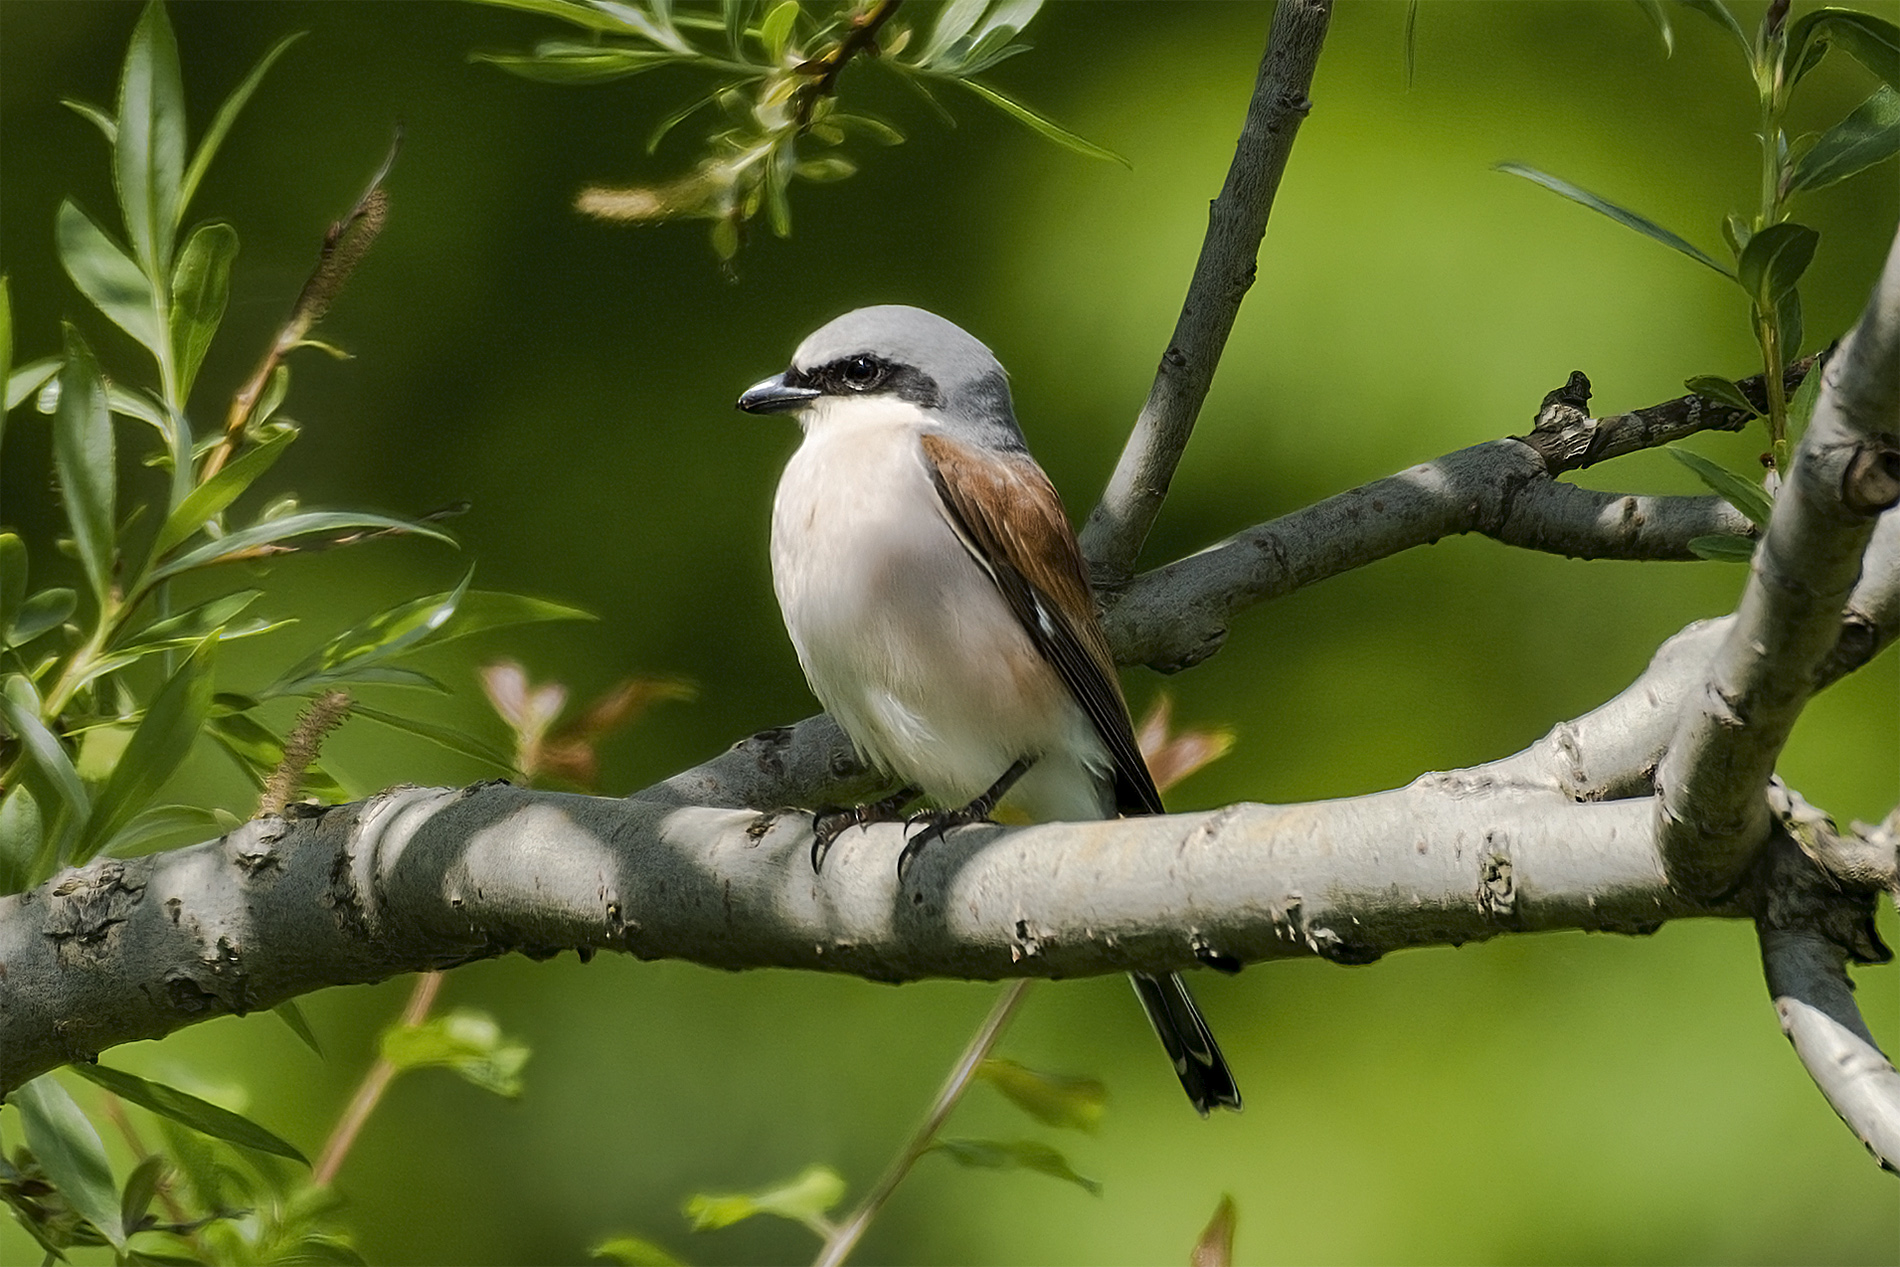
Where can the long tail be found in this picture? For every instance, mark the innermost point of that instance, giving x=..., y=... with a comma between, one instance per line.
x=1203, y=1071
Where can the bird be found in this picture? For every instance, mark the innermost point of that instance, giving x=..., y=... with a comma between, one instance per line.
x=941, y=608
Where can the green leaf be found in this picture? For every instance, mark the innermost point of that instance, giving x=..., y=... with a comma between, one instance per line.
x=273, y=532
x=1801, y=408
x=141, y=1187
x=12, y=580
x=226, y=116
x=1788, y=328
x=210, y=498
x=188, y=1110
x=803, y=1200
x=1041, y=126
x=292, y=1016
x=776, y=30
x=1052, y=1098
x=83, y=456
x=1745, y=495
x=1653, y=10
x=172, y=722
x=1870, y=135
x=1717, y=12
x=107, y=125
x=192, y=625
x=107, y=276
x=1411, y=42
x=163, y=826
x=19, y=708
x=1722, y=549
x=22, y=835
x=201, y=284
x=465, y=1041
x=1774, y=260
x=69, y=1151
x=1622, y=215
x=582, y=15
x=28, y=379
x=631, y=1251
x=1721, y=390
x=1867, y=39
x=555, y=63
x=1022, y=1154
x=6, y=351
x=449, y=737
x=148, y=155
x=954, y=21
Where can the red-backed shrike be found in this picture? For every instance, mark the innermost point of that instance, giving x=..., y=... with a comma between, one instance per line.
x=941, y=608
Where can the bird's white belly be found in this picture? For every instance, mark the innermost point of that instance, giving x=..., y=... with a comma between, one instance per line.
x=906, y=640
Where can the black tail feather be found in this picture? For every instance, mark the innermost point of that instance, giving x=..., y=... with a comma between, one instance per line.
x=1203, y=1071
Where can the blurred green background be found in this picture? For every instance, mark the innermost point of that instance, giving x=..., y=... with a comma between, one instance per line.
x=1543, y=1099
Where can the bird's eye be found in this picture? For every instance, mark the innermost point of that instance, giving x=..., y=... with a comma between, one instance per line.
x=861, y=373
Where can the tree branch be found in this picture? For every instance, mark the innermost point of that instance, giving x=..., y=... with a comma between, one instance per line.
x=1224, y=272
x=1846, y=471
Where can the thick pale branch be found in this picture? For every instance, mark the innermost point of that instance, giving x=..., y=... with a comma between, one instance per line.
x=1237, y=221
x=1846, y=471
x=429, y=878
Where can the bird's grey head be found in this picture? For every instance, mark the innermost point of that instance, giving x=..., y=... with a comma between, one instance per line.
x=897, y=352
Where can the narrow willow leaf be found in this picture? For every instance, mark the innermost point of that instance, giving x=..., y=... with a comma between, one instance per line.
x=19, y=708
x=141, y=1188
x=294, y=1020
x=631, y=1251
x=48, y=609
x=83, y=456
x=12, y=579
x=465, y=1041
x=954, y=21
x=69, y=1151
x=1869, y=40
x=188, y=1110
x=574, y=11
x=28, y=379
x=107, y=125
x=164, y=826
x=1022, y=1154
x=1774, y=260
x=1745, y=495
x=194, y=624
x=1053, y=1098
x=1622, y=215
x=148, y=154
x=1789, y=330
x=201, y=284
x=1870, y=135
x=1411, y=42
x=210, y=498
x=449, y=737
x=803, y=1200
x=1653, y=10
x=1041, y=126
x=6, y=354
x=776, y=30
x=172, y=722
x=108, y=277
x=1718, y=13
x=1722, y=549
x=268, y=537
x=226, y=116
x=578, y=63
x=1801, y=408
x=1722, y=390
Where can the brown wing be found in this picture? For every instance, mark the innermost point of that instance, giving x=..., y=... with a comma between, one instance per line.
x=1034, y=560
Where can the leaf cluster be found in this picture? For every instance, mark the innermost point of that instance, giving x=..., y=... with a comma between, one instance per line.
x=771, y=113
x=105, y=690
x=1768, y=251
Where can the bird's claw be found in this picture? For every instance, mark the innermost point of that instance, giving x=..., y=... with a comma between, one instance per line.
x=828, y=822
x=935, y=824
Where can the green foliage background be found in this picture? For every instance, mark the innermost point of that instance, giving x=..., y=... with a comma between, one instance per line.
x=1557, y=1098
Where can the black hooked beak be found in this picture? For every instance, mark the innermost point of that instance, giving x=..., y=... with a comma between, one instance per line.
x=776, y=396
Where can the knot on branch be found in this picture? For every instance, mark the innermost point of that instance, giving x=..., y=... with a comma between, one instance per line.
x=1814, y=879
x=1871, y=483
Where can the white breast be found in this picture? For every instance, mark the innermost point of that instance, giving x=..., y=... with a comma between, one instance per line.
x=902, y=635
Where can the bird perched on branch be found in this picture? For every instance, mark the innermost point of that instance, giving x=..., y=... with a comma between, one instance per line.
x=941, y=609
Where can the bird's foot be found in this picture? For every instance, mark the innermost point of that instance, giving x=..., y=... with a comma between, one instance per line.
x=935, y=823
x=828, y=822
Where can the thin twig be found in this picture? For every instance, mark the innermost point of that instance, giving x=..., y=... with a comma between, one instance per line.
x=370, y=1092
x=862, y=37
x=847, y=1233
x=1237, y=222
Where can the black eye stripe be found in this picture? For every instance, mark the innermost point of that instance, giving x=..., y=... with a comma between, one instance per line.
x=862, y=373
